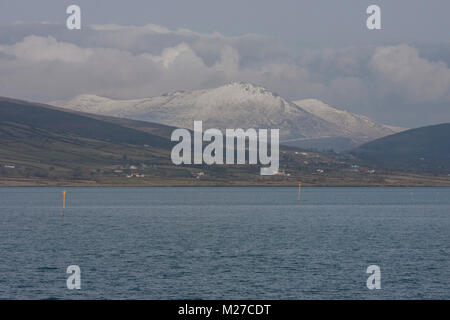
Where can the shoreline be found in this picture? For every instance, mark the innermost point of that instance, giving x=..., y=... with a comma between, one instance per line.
x=10, y=183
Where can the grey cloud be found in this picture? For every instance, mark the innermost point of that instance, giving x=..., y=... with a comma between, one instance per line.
x=403, y=72
x=45, y=62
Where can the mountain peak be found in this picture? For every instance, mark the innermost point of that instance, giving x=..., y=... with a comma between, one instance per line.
x=246, y=88
x=367, y=128
x=239, y=105
x=244, y=85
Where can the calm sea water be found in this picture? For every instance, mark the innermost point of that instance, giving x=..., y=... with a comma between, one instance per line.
x=225, y=243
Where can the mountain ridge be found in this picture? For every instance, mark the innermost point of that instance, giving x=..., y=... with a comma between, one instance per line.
x=45, y=145
x=235, y=105
x=347, y=119
x=424, y=149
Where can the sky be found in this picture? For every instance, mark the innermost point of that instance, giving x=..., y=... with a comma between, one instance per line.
x=399, y=75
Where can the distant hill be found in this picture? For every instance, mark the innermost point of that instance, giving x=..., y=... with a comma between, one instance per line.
x=425, y=149
x=41, y=141
x=242, y=105
x=60, y=121
x=337, y=144
x=45, y=145
x=362, y=128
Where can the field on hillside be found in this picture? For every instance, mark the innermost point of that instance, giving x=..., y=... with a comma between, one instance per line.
x=43, y=145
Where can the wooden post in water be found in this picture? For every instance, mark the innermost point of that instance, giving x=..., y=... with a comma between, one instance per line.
x=64, y=202
x=299, y=190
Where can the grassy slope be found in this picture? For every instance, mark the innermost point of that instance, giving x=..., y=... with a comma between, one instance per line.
x=52, y=146
x=425, y=149
x=67, y=123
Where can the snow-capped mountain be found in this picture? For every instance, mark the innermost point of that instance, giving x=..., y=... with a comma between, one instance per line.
x=238, y=105
x=355, y=124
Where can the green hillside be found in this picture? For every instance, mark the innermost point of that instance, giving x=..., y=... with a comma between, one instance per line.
x=48, y=144
x=59, y=121
x=45, y=145
x=44, y=142
x=425, y=149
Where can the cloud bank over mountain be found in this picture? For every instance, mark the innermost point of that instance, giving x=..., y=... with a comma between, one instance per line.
x=395, y=84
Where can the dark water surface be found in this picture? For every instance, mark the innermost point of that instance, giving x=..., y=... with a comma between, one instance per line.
x=225, y=243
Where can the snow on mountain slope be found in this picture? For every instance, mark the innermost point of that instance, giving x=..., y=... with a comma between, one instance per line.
x=237, y=105
x=366, y=128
